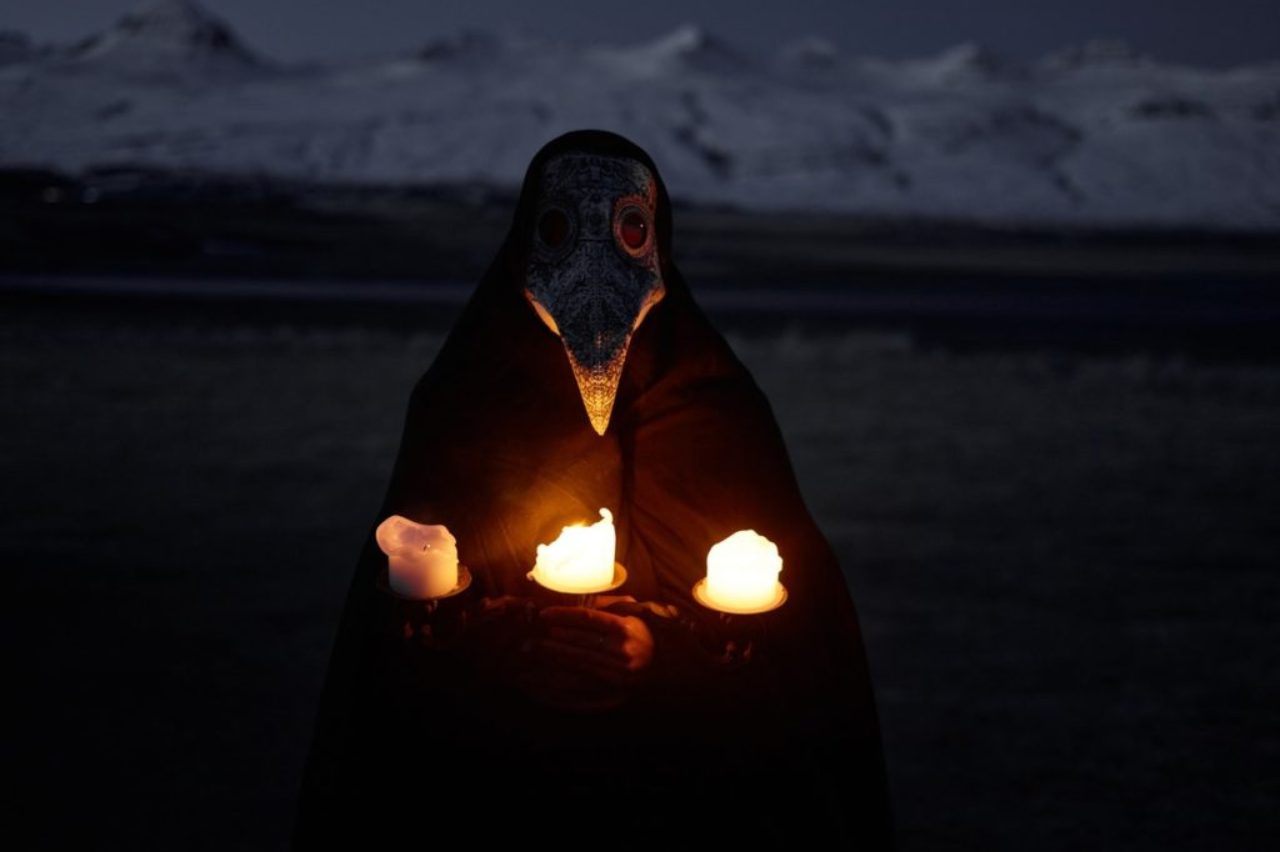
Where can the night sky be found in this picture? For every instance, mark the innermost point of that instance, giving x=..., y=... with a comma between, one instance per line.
x=1201, y=32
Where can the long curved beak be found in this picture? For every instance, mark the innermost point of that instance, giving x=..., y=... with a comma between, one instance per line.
x=596, y=334
x=597, y=367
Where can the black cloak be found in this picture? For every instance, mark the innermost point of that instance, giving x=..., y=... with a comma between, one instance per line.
x=419, y=745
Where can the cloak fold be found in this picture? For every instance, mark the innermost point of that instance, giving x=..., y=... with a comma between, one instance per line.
x=416, y=744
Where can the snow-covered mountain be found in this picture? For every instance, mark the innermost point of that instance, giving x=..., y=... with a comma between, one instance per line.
x=165, y=37
x=1091, y=136
x=686, y=49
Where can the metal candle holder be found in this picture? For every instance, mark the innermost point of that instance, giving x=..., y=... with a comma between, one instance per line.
x=435, y=621
x=585, y=598
x=733, y=637
x=593, y=699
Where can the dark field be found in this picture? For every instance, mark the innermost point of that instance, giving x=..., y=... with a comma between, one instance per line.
x=1066, y=564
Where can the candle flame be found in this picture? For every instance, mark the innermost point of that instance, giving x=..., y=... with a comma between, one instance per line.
x=581, y=558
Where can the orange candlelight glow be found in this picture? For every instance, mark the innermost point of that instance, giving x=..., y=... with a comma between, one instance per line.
x=580, y=560
x=742, y=573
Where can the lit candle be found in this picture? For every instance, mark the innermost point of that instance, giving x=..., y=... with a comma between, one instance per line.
x=742, y=573
x=422, y=559
x=580, y=560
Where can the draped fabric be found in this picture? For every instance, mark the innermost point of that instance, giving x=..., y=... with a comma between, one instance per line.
x=419, y=746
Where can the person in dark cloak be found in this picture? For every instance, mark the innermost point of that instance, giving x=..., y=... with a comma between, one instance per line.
x=583, y=375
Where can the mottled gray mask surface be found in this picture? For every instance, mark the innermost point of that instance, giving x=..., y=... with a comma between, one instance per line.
x=593, y=271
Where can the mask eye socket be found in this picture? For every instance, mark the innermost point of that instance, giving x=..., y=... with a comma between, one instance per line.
x=633, y=229
x=553, y=228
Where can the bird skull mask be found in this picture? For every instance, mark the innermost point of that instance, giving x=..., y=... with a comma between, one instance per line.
x=593, y=268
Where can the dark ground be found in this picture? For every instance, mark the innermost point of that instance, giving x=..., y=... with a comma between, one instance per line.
x=1065, y=561
x=1049, y=464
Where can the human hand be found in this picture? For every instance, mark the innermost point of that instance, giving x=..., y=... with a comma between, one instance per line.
x=613, y=648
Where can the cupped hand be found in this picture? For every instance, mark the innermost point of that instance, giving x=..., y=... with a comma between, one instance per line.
x=615, y=648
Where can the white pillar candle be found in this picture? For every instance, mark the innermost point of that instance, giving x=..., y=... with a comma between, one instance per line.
x=742, y=572
x=580, y=560
x=422, y=559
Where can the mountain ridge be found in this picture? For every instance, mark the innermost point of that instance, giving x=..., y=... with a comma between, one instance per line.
x=1093, y=136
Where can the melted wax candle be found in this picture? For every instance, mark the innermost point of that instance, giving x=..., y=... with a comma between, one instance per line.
x=580, y=560
x=742, y=572
x=422, y=559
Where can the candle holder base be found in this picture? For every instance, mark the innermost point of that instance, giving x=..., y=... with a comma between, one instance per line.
x=730, y=640
x=585, y=595
x=700, y=595
x=434, y=621
x=567, y=692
